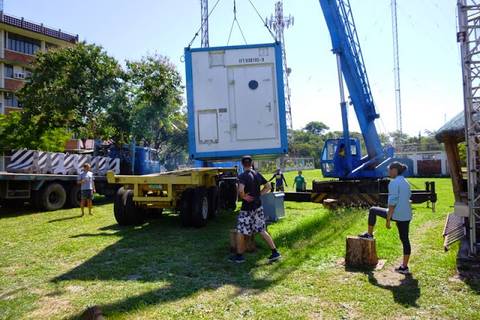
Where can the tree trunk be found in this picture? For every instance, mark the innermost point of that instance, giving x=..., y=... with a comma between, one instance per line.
x=361, y=252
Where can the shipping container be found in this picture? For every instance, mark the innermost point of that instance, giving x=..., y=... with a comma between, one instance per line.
x=236, y=102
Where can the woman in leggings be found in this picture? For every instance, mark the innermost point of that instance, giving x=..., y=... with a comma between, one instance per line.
x=399, y=210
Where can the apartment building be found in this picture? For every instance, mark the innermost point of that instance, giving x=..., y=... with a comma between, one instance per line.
x=20, y=39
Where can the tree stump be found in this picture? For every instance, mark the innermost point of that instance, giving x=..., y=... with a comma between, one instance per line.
x=361, y=252
x=249, y=242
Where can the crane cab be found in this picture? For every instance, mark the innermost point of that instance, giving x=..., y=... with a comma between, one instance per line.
x=335, y=160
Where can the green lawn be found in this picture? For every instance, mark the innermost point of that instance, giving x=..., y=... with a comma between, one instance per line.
x=53, y=265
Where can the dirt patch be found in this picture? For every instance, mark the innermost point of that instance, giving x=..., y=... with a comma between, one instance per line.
x=75, y=289
x=50, y=306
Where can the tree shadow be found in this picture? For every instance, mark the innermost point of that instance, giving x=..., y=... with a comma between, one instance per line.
x=191, y=260
x=406, y=292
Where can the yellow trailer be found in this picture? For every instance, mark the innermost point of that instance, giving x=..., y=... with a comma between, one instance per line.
x=196, y=194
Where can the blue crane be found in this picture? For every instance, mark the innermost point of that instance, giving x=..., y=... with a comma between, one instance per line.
x=342, y=158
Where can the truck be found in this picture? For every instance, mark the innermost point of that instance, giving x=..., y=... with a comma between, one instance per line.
x=48, y=181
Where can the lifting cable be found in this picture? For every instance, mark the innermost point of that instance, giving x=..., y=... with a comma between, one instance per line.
x=233, y=24
x=264, y=22
x=203, y=22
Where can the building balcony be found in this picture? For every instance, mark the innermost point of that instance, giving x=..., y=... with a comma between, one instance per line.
x=8, y=109
x=18, y=57
x=38, y=28
x=13, y=84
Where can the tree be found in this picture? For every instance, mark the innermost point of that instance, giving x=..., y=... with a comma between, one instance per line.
x=73, y=88
x=155, y=91
x=16, y=133
x=316, y=127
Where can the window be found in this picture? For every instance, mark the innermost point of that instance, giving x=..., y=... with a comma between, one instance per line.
x=28, y=73
x=22, y=44
x=11, y=100
x=8, y=71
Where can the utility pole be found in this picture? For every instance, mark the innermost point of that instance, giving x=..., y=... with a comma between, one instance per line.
x=278, y=22
x=396, y=68
x=204, y=25
x=469, y=37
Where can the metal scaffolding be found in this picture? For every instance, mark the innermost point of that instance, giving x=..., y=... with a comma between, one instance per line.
x=469, y=38
x=204, y=25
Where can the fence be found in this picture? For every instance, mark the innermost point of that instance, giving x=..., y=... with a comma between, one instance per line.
x=286, y=164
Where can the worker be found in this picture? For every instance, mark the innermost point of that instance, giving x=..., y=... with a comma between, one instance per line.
x=399, y=210
x=339, y=160
x=299, y=182
x=279, y=180
x=251, y=218
x=87, y=188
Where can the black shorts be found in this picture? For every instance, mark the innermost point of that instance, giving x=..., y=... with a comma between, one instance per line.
x=86, y=194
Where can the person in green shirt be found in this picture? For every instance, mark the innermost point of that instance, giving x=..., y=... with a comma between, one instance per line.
x=299, y=182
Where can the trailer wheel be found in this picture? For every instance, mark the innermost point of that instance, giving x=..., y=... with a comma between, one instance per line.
x=53, y=197
x=134, y=215
x=212, y=202
x=228, y=195
x=74, y=196
x=119, y=208
x=200, y=207
x=186, y=207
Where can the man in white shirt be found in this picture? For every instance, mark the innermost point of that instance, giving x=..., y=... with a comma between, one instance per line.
x=87, y=188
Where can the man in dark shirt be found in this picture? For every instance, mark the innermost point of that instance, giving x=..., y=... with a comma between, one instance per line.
x=279, y=180
x=251, y=217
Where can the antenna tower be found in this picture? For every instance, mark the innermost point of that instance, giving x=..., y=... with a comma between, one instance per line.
x=204, y=13
x=278, y=22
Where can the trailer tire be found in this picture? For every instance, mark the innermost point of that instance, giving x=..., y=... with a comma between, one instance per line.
x=200, y=207
x=212, y=202
x=53, y=197
x=74, y=196
x=135, y=215
x=228, y=191
x=119, y=208
x=186, y=207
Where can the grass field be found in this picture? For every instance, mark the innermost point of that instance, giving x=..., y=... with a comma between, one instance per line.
x=55, y=264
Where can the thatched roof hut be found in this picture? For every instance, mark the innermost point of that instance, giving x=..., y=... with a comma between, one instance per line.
x=453, y=130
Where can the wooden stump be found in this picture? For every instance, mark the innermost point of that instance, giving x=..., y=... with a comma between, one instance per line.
x=249, y=242
x=330, y=204
x=361, y=252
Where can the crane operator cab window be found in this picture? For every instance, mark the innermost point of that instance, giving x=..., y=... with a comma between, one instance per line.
x=334, y=156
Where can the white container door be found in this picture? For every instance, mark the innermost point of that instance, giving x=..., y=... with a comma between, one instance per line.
x=255, y=105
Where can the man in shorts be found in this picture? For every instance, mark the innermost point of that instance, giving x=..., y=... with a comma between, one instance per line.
x=251, y=218
x=87, y=188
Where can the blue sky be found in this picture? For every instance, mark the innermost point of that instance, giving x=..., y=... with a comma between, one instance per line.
x=429, y=55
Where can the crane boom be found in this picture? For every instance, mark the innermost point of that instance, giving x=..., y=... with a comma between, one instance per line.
x=343, y=33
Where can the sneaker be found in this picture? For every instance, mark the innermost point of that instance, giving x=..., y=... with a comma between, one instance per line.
x=236, y=258
x=402, y=270
x=365, y=235
x=274, y=257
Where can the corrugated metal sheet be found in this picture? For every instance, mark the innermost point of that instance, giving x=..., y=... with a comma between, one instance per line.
x=454, y=230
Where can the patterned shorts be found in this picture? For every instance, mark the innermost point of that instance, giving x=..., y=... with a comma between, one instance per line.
x=251, y=221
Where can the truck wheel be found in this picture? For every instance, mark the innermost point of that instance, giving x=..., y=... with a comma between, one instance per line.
x=186, y=207
x=200, y=208
x=53, y=197
x=135, y=215
x=228, y=191
x=74, y=196
x=119, y=208
x=212, y=202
